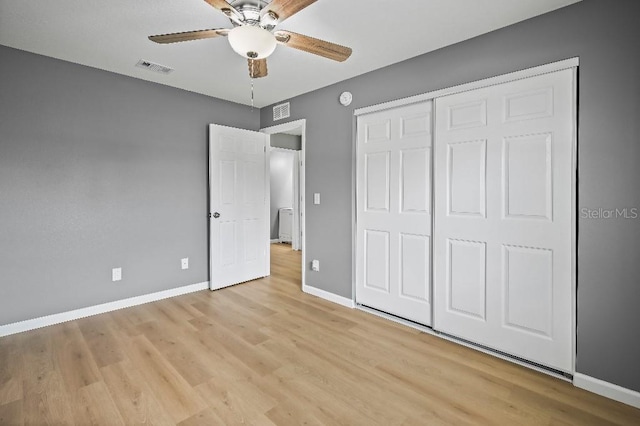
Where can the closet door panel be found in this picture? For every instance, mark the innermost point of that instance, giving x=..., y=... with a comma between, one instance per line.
x=393, y=245
x=504, y=182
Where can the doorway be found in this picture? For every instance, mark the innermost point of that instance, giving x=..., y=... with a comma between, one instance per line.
x=286, y=196
x=284, y=184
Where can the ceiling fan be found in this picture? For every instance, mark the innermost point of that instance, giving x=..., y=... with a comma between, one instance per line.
x=253, y=35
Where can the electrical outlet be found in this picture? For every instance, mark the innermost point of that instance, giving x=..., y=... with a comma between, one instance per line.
x=315, y=265
x=116, y=274
x=316, y=198
x=185, y=263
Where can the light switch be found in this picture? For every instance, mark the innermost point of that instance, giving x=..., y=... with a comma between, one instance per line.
x=116, y=274
x=316, y=198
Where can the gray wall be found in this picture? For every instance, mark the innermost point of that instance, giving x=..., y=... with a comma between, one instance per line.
x=605, y=35
x=98, y=170
x=281, y=140
x=281, y=185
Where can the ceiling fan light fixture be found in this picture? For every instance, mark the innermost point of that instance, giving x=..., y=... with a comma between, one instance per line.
x=252, y=42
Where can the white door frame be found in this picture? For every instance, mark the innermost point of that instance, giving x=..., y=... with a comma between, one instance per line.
x=517, y=75
x=283, y=128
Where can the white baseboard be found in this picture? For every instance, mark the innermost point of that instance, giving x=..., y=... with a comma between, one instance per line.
x=328, y=296
x=32, y=324
x=606, y=389
x=277, y=240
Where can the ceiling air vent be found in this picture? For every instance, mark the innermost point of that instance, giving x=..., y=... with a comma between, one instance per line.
x=160, y=69
x=281, y=111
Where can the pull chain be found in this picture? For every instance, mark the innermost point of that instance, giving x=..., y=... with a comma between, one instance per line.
x=251, y=77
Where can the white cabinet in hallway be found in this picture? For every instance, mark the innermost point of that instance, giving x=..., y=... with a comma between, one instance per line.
x=285, y=224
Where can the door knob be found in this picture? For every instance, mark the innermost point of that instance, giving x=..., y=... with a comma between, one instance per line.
x=216, y=215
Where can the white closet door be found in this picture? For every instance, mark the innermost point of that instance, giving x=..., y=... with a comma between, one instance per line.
x=393, y=249
x=239, y=234
x=504, y=179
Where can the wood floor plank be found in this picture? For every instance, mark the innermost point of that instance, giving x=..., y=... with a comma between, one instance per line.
x=247, y=304
x=93, y=406
x=170, y=314
x=175, y=394
x=10, y=371
x=226, y=314
x=307, y=307
x=134, y=316
x=325, y=405
x=208, y=416
x=254, y=357
x=183, y=304
x=306, y=364
x=100, y=340
x=265, y=353
x=133, y=397
x=290, y=412
x=178, y=348
x=11, y=413
x=234, y=406
x=73, y=357
x=46, y=400
x=343, y=358
x=37, y=355
x=121, y=324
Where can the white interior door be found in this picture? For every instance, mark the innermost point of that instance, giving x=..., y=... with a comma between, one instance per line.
x=393, y=247
x=504, y=177
x=239, y=234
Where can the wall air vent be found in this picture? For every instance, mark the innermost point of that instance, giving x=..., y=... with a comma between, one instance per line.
x=281, y=111
x=160, y=69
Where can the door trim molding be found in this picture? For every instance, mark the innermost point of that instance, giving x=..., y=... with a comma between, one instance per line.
x=32, y=324
x=281, y=128
x=491, y=81
x=606, y=389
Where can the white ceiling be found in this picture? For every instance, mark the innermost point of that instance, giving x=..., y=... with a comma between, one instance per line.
x=112, y=35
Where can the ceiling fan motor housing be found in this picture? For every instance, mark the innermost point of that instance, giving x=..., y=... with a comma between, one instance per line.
x=250, y=11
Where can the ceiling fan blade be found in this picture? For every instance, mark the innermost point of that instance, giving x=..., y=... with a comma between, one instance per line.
x=189, y=35
x=227, y=9
x=286, y=8
x=257, y=68
x=313, y=45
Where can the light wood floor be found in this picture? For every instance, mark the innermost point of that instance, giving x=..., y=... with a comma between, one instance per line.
x=266, y=353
